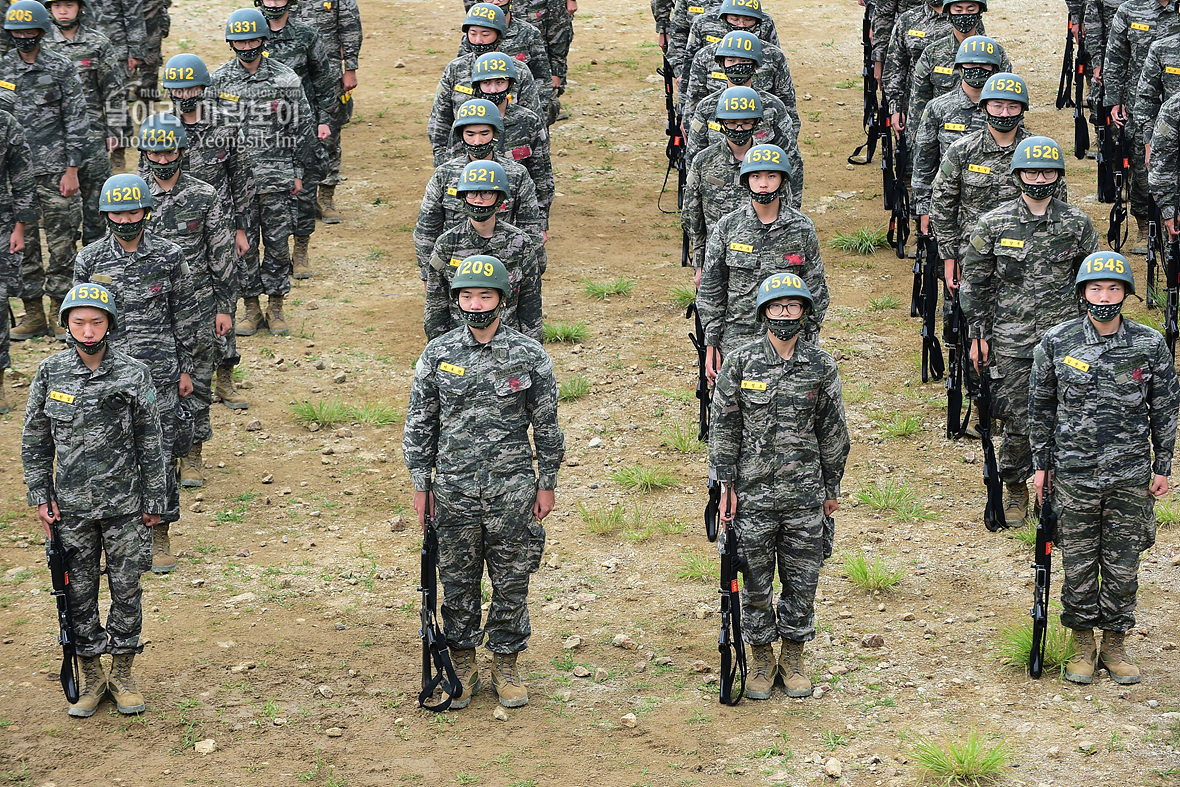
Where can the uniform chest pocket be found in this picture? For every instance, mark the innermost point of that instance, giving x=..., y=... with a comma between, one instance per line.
x=115, y=410
x=756, y=396
x=981, y=177
x=511, y=392
x=1126, y=387
x=453, y=382
x=513, y=382
x=61, y=414
x=50, y=96
x=1076, y=387
x=1010, y=259
x=157, y=288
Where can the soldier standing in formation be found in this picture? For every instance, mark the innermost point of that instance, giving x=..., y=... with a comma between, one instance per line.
x=18, y=210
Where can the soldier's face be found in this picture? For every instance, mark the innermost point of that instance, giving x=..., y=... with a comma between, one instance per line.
x=162, y=156
x=87, y=324
x=481, y=35
x=478, y=135
x=1105, y=292
x=726, y=62
x=127, y=216
x=744, y=22
x=481, y=198
x=765, y=182
x=964, y=8
x=245, y=46
x=64, y=10
x=1031, y=176
x=497, y=85
x=998, y=107
x=275, y=3
x=478, y=299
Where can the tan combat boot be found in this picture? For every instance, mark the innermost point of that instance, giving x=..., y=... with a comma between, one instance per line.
x=226, y=391
x=506, y=681
x=1016, y=505
x=325, y=205
x=1080, y=668
x=274, y=316
x=300, y=266
x=32, y=323
x=53, y=323
x=468, y=672
x=122, y=686
x=3, y=399
x=1141, y=236
x=162, y=559
x=96, y=688
x=252, y=320
x=790, y=668
x=761, y=679
x=190, y=468
x=1114, y=659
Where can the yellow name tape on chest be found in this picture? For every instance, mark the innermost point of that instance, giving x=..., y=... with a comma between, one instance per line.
x=1172, y=70
x=712, y=39
x=228, y=97
x=753, y=385
x=1140, y=26
x=696, y=9
x=741, y=247
x=979, y=169
x=7, y=85
x=717, y=75
x=463, y=89
x=450, y=367
x=1081, y=366
x=454, y=192
x=916, y=33
x=714, y=125
x=954, y=126
x=101, y=278
x=61, y=397
x=456, y=262
x=943, y=70
x=1009, y=243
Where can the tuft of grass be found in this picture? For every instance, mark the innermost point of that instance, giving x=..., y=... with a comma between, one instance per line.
x=574, y=388
x=602, y=521
x=644, y=479
x=324, y=412
x=971, y=761
x=865, y=240
x=678, y=438
x=896, y=498
x=698, y=569
x=682, y=295
x=373, y=413
x=857, y=393
x=1167, y=513
x=1025, y=534
x=570, y=333
x=1014, y=642
x=899, y=425
x=884, y=302
x=604, y=289
x=678, y=394
x=870, y=577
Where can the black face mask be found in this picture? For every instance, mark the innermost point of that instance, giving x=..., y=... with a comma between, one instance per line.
x=495, y=98
x=767, y=198
x=1004, y=124
x=481, y=212
x=94, y=348
x=975, y=76
x=129, y=231
x=274, y=13
x=248, y=55
x=483, y=49
x=25, y=44
x=164, y=171
x=740, y=73
x=185, y=105
x=731, y=27
x=785, y=329
x=1104, y=312
x=1038, y=190
x=70, y=25
x=965, y=23
x=479, y=320
x=481, y=151
x=738, y=137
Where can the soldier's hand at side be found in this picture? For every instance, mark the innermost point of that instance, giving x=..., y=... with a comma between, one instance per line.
x=696, y=277
x=712, y=364
x=544, y=504
x=952, y=282
x=1171, y=225
x=898, y=121
x=222, y=324
x=556, y=83
x=424, y=505
x=878, y=69
x=1098, y=74
x=831, y=507
x=544, y=237
x=924, y=224
x=728, y=505
x=1159, y=485
x=978, y=353
x=1147, y=154
x=298, y=186
x=350, y=80
x=185, y=386
x=16, y=242
x=323, y=131
x=1043, y=482
x=132, y=64
x=241, y=243
x=1118, y=113
x=151, y=520
x=69, y=182
x=662, y=40
x=43, y=513
x=112, y=143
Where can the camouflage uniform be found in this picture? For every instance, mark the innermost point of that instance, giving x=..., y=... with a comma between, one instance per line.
x=524, y=44
x=122, y=21
x=157, y=24
x=945, y=120
x=51, y=109
x=1163, y=176
x=709, y=28
x=741, y=253
x=106, y=105
x=272, y=109
x=776, y=128
x=935, y=75
x=442, y=208
x=18, y=202
x=1159, y=81
x=454, y=90
x=1099, y=16
x=553, y=21
x=915, y=29
x=513, y=247
x=684, y=13
x=191, y=215
x=159, y=322
x=1136, y=25
x=1017, y=283
x=103, y=429
x=885, y=14
x=1103, y=430
x=778, y=438
x=661, y=11
x=470, y=409
x=339, y=23
x=706, y=78
x=298, y=46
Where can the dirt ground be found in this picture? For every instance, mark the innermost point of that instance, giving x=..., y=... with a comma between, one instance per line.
x=288, y=636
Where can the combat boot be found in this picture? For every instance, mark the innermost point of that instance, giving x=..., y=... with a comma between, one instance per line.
x=1114, y=659
x=32, y=323
x=761, y=680
x=52, y=322
x=1016, y=506
x=1080, y=668
x=252, y=320
x=274, y=316
x=225, y=389
x=190, y=468
x=122, y=686
x=96, y=688
x=3, y=399
x=300, y=266
x=506, y=681
x=790, y=668
x=326, y=206
x=162, y=558
x=1141, y=236
x=468, y=673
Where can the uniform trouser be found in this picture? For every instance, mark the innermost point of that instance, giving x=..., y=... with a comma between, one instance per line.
x=206, y=356
x=127, y=542
x=793, y=541
x=1139, y=191
x=9, y=282
x=167, y=400
x=500, y=532
x=339, y=120
x=303, y=220
x=62, y=217
x=158, y=24
x=226, y=347
x=1101, y=532
x=1010, y=381
x=271, y=218
x=91, y=176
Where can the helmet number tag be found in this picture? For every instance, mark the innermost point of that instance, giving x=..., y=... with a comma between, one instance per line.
x=19, y=15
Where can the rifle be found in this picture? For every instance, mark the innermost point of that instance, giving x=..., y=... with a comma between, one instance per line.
x=926, y=280
x=675, y=152
x=873, y=111
x=1153, y=245
x=698, y=342
x=729, y=640
x=1104, y=153
x=58, y=558
x=993, y=511
x=1081, y=132
x=899, y=219
x=1172, y=275
x=956, y=357
x=434, y=642
x=1116, y=235
x=1042, y=565
x=1065, y=85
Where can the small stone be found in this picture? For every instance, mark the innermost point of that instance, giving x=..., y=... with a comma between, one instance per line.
x=832, y=768
x=700, y=666
x=581, y=672
x=197, y=507
x=278, y=721
x=572, y=642
x=499, y=714
x=624, y=642
x=838, y=669
x=319, y=364
x=240, y=599
x=339, y=377
x=930, y=632
x=601, y=674
x=245, y=666
x=198, y=583
x=246, y=552
x=664, y=661
x=254, y=426
x=397, y=524
x=845, y=615
x=629, y=720
x=908, y=616
x=597, y=441
x=565, y=696
x=399, y=64
x=709, y=680
x=340, y=627
x=1086, y=747
x=334, y=732
x=640, y=666
x=1054, y=752
x=268, y=479
x=817, y=693
x=207, y=746
x=1168, y=646
x=325, y=691
x=872, y=641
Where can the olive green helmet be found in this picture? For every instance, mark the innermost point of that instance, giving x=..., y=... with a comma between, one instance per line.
x=124, y=192
x=493, y=65
x=751, y=8
x=246, y=24
x=486, y=15
x=739, y=103
x=1105, y=266
x=979, y=49
x=27, y=15
x=484, y=176
x=1005, y=86
x=478, y=112
x=1038, y=153
x=88, y=295
x=186, y=70
x=482, y=270
x=162, y=132
x=764, y=158
x=740, y=44
x=781, y=285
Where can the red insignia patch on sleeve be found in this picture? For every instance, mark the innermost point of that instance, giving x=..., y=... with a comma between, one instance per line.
x=1137, y=375
x=793, y=259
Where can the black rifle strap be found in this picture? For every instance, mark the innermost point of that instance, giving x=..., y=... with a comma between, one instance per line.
x=444, y=670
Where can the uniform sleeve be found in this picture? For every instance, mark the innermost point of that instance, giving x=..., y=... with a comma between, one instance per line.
x=351, y=33
x=711, y=294
x=538, y=64
x=1149, y=93
x=219, y=246
x=307, y=147
x=548, y=438
x=977, y=285
x=528, y=93
x=1163, y=169
x=186, y=316
x=323, y=82
x=24, y=188
x=540, y=167
x=77, y=120
x=420, y=437
x=1042, y=406
x=678, y=36
x=831, y=433
x=436, y=316
x=884, y=18
x=785, y=89
x=725, y=423
x=430, y=221
x=921, y=88
x=661, y=11
x=698, y=134
x=149, y=448
x=528, y=299
x=925, y=156
x=693, y=89
x=241, y=184
x=112, y=89
x=1165, y=405
x=692, y=214
x=442, y=115
x=769, y=33
x=788, y=140
x=528, y=214
x=83, y=266
x=559, y=38
x=813, y=275
x=37, y=448
x=944, y=205
x=1115, y=65
x=1095, y=36
x=895, y=72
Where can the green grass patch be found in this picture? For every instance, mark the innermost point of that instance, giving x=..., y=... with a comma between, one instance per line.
x=324, y=412
x=565, y=332
x=1167, y=513
x=602, y=290
x=696, y=568
x=1014, y=642
x=1025, y=534
x=678, y=394
x=574, y=388
x=681, y=439
x=682, y=295
x=865, y=240
x=870, y=576
x=602, y=521
x=883, y=303
x=896, y=499
x=971, y=761
x=899, y=424
x=374, y=414
x=644, y=479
